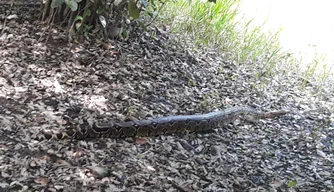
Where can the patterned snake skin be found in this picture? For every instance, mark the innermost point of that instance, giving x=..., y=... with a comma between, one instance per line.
x=160, y=126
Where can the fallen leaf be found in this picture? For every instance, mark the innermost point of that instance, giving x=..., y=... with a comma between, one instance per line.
x=141, y=140
x=42, y=180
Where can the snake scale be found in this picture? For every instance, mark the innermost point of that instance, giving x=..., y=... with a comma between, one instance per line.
x=160, y=126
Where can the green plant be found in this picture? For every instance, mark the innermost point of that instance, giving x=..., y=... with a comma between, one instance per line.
x=219, y=27
x=215, y=25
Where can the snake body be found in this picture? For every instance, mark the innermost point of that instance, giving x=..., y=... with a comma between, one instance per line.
x=162, y=125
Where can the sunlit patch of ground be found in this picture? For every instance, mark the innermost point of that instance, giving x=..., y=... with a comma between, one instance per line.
x=307, y=26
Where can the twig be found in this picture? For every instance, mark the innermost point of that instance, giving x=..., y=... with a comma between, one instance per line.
x=156, y=16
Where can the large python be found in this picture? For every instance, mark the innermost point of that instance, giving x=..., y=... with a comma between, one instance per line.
x=160, y=126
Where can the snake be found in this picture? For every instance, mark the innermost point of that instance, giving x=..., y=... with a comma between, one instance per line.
x=160, y=126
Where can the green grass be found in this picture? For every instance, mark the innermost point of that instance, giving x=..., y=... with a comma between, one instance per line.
x=215, y=26
x=319, y=70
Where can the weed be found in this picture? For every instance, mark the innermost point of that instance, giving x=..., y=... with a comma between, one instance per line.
x=217, y=26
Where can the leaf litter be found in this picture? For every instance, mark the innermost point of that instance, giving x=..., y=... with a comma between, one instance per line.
x=48, y=85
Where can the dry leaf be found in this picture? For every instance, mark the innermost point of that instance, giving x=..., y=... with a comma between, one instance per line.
x=141, y=140
x=42, y=180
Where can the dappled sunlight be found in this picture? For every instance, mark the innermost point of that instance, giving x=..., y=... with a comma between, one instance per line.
x=306, y=27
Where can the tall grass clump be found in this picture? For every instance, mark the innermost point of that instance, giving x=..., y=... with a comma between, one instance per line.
x=215, y=25
x=220, y=27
